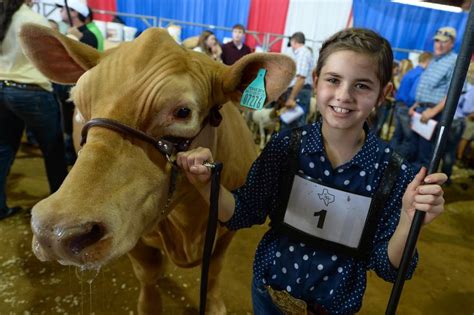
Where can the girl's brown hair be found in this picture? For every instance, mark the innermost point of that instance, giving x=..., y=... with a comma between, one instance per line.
x=202, y=42
x=362, y=41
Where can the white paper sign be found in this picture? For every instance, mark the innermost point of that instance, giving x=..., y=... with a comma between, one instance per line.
x=292, y=114
x=424, y=130
x=327, y=213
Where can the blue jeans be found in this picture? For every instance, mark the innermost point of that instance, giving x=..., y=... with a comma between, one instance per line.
x=303, y=99
x=403, y=140
x=39, y=110
x=454, y=135
x=262, y=302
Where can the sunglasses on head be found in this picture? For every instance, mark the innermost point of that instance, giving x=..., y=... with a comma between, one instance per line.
x=445, y=33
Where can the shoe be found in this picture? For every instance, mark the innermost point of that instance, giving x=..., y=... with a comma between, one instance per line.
x=5, y=213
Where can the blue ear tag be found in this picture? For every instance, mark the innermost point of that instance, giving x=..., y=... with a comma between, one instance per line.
x=254, y=95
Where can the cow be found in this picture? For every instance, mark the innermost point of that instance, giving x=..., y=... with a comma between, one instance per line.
x=116, y=199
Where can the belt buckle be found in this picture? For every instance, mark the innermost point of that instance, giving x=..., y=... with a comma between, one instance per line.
x=287, y=304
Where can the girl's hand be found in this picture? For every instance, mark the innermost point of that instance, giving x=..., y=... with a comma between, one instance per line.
x=427, y=197
x=192, y=164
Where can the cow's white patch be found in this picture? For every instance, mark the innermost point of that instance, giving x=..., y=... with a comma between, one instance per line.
x=79, y=118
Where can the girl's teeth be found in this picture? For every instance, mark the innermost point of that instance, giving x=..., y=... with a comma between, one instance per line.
x=340, y=110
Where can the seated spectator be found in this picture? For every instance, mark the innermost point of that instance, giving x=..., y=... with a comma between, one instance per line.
x=209, y=45
x=235, y=49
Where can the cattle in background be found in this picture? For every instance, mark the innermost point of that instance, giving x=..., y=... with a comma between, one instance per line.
x=264, y=122
x=114, y=200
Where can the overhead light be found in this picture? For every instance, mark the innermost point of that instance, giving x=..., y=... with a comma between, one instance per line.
x=430, y=5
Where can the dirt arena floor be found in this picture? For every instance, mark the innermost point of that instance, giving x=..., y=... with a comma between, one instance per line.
x=443, y=282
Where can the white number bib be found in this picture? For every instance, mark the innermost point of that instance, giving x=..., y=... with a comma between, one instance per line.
x=327, y=213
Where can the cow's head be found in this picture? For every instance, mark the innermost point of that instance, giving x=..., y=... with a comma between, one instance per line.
x=118, y=187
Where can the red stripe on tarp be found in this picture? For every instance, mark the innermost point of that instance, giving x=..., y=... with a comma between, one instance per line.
x=267, y=16
x=350, y=21
x=109, y=5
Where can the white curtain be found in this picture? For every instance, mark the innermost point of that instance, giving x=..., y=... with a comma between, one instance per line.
x=317, y=19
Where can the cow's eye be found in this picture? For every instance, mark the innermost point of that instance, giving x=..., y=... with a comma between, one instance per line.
x=182, y=112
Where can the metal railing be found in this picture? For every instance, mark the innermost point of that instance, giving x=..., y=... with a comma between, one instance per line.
x=263, y=39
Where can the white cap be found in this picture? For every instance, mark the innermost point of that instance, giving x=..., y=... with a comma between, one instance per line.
x=76, y=5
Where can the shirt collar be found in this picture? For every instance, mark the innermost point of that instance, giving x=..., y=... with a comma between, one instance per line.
x=449, y=53
x=297, y=50
x=365, y=158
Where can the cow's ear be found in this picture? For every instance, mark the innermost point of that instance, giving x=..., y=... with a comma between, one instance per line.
x=280, y=71
x=59, y=58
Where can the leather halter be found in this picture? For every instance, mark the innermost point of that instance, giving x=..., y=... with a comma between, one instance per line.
x=168, y=146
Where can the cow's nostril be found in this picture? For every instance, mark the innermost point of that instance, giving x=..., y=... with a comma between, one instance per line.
x=90, y=237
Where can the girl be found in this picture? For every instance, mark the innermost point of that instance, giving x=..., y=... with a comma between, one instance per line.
x=339, y=154
x=209, y=45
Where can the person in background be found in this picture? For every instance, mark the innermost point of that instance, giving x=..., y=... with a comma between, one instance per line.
x=79, y=13
x=402, y=139
x=299, y=91
x=209, y=45
x=432, y=89
x=291, y=275
x=468, y=99
x=26, y=98
x=85, y=30
x=91, y=26
x=404, y=66
x=463, y=115
x=235, y=49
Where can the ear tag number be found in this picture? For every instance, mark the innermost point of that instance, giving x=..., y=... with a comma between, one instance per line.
x=254, y=95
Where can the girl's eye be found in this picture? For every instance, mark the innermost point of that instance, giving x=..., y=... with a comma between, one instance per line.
x=362, y=86
x=182, y=113
x=332, y=80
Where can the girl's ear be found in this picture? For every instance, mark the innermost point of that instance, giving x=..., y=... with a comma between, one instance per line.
x=315, y=78
x=385, y=93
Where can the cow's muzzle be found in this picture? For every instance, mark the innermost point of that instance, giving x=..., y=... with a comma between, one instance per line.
x=72, y=245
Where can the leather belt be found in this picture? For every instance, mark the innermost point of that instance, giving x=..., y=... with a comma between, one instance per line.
x=18, y=85
x=426, y=104
x=290, y=305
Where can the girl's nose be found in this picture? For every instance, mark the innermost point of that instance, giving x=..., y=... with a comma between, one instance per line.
x=343, y=94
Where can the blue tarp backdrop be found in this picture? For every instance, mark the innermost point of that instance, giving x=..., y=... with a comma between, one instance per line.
x=406, y=26
x=216, y=12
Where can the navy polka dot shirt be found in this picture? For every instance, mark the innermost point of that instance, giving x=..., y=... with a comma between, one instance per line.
x=317, y=276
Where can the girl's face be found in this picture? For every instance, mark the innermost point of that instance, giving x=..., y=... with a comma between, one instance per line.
x=347, y=90
x=211, y=41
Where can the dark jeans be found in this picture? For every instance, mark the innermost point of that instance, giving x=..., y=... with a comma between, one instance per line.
x=67, y=110
x=262, y=302
x=403, y=140
x=424, y=147
x=303, y=99
x=39, y=110
x=454, y=135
